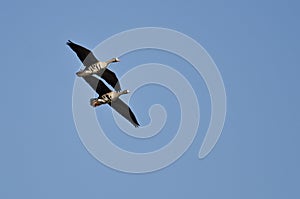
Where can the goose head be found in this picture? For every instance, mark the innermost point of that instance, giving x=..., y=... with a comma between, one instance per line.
x=112, y=60
x=125, y=92
x=116, y=59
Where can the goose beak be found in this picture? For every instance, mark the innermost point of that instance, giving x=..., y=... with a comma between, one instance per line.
x=117, y=59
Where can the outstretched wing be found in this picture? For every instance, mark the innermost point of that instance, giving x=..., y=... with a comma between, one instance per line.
x=125, y=111
x=97, y=85
x=88, y=58
x=111, y=78
x=118, y=104
x=85, y=55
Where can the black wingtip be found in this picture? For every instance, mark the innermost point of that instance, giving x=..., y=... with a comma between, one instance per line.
x=137, y=125
x=69, y=42
x=134, y=120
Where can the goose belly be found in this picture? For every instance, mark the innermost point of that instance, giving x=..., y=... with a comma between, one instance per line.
x=95, y=68
x=109, y=97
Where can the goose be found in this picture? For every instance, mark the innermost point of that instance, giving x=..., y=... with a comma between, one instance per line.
x=107, y=96
x=94, y=66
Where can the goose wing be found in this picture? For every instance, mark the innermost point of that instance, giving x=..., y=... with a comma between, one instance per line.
x=111, y=78
x=125, y=111
x=97, y=85
x=85, y=55
x=88, y=58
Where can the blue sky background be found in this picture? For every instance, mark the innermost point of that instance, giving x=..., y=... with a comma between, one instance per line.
x=255, y=45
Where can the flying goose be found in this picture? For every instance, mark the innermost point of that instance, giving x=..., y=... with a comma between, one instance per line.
x=94, y=66
x=106, y=96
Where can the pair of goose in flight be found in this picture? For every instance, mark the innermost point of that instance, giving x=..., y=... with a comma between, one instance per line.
x=106, y=96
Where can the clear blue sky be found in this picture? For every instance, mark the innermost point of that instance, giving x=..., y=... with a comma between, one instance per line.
x=255, y=45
